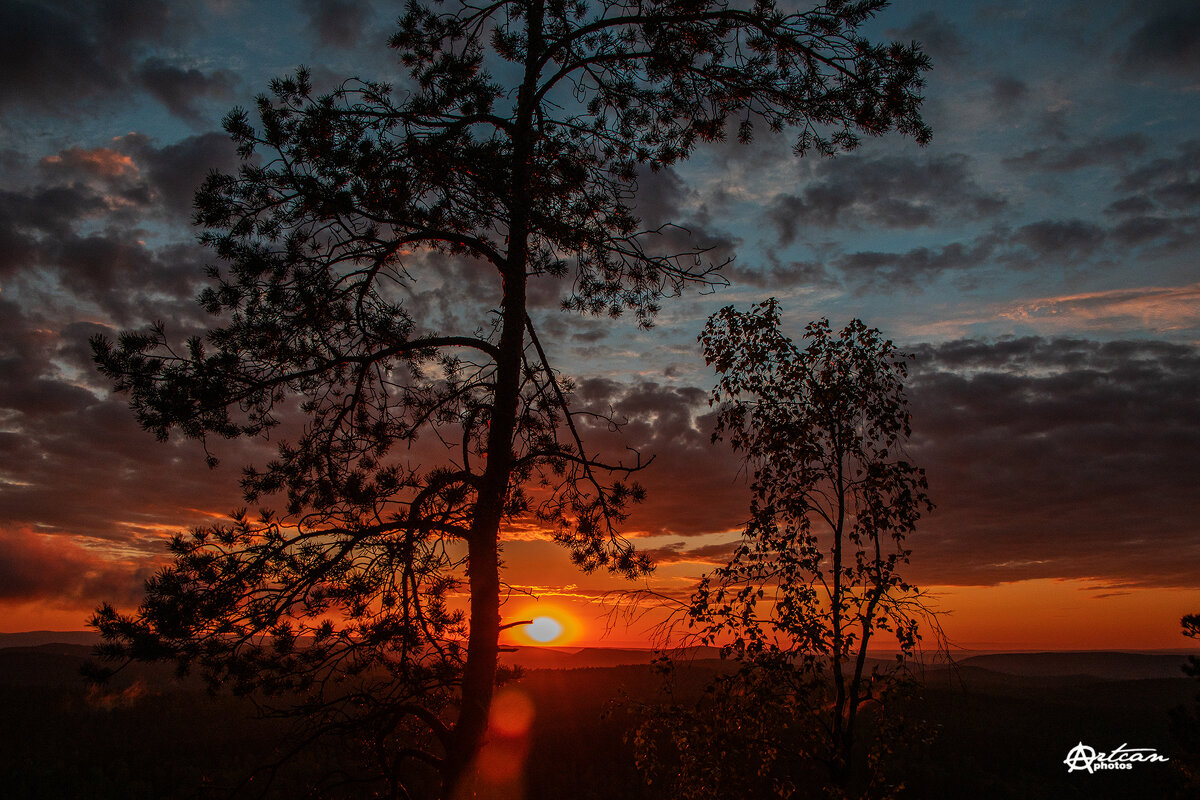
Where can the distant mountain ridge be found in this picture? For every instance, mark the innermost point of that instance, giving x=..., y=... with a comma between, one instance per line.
x=39, y=638
x=1104, y=665
x=590, y=657
x=526, y=657
x=1097, y=664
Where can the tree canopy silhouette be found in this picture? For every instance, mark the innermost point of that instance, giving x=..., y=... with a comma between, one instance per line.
x=514, y=144
x=817, y=575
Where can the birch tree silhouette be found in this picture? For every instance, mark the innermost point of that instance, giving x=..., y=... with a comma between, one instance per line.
x=816, y=577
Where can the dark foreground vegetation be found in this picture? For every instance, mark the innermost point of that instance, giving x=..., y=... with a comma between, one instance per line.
x=1004, y=725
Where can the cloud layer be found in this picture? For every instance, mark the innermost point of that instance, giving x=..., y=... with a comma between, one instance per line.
x=1061, y=197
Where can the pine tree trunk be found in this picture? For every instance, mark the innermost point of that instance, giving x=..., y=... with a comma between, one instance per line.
x=483, y=560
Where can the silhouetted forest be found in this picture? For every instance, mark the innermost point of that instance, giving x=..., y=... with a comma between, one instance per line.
x=1004, y=724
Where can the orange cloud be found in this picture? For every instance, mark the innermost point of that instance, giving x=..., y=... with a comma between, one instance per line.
x=100, y=162
x=1160, y=309
x=56, y=580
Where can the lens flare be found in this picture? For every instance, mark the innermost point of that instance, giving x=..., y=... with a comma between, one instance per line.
x=511, y=713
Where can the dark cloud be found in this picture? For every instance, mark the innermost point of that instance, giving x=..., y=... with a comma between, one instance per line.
x=939, y=37
x=693, y=487
x=1058, y=458
x=660, y=195
x=1166, y=42
x=1048, y=458
x=131, y=282
x=1161, y=206
x=121, y=21
x=72, y=458
x=175, y=171
x=135, y=175
x=1054, y=123
x=1163, y=234
x=72, y=245
x=679, y=552
x=41, y=243
x=1008, y=92
x=1172, y=182
x=458, y=295
x=1055, y=241
x=916, y=268
x=588, y=333
x=13, y=164
x=778, y=272
x=54, y=54
x=661, y=203
x=47, y=209
x=1130, y=205
x=1046, y=243
x=109, y=176
x=1158, y=215
x=77, y=467
x=48, y=59
x=183, y=90
x=337, y=23
x=84, y=467
x=1104, y=151
x=888, y=191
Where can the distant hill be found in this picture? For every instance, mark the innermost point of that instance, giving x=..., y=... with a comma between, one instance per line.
x=39, y=638
x=590, y=657
x=526, y=657
x=1100, y=665
x=43, y=665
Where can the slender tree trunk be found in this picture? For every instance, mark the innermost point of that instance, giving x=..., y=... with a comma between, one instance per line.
x=483, y=545
x=839, y=757
x=483, y=559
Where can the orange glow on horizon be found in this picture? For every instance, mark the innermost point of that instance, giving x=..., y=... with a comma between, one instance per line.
x=22, y=616
x=1045, y=614
x=1056, y=614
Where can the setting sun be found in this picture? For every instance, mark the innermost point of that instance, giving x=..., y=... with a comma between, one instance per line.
x=544, y=624
x=544, y=629
x=519, y=401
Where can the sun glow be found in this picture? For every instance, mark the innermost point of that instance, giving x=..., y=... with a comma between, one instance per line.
x=544, y=624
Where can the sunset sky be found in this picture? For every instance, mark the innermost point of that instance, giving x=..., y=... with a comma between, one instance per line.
x=1041, y=258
